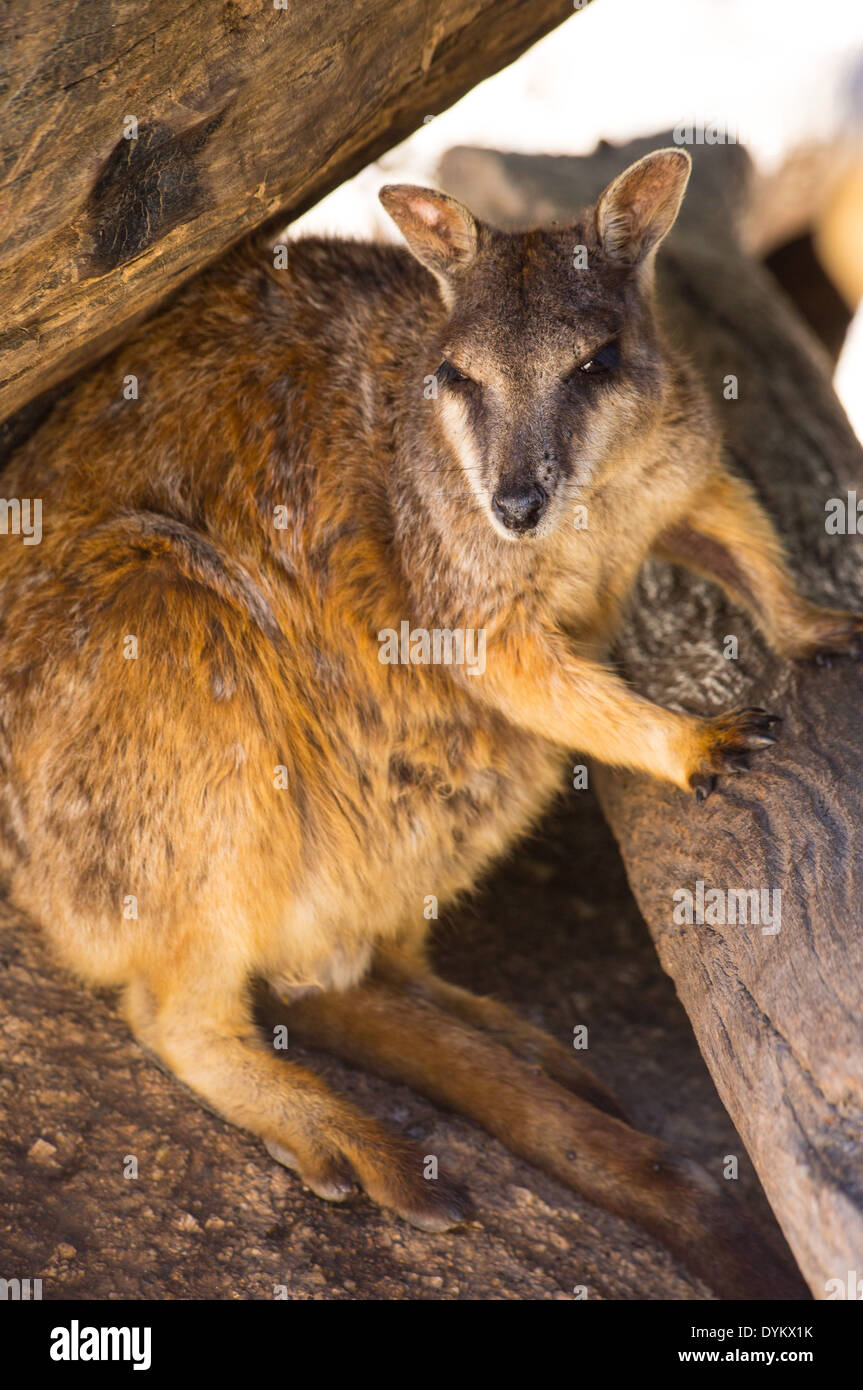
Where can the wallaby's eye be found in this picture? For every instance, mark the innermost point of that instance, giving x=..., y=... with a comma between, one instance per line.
x=602, y=362
x=449, y=375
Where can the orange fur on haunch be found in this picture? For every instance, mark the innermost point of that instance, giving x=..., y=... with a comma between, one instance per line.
x=207, y=772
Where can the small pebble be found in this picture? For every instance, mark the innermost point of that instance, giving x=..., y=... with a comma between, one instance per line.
x=41, y=1152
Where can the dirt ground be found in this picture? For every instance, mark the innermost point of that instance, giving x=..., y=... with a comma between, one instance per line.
x=210, y=1216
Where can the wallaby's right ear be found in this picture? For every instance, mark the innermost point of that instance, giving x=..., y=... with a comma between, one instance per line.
x=440, y=232
x=640, y=207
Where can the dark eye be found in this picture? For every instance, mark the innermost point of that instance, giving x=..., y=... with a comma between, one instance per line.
x=606, y=360
x=449, y=375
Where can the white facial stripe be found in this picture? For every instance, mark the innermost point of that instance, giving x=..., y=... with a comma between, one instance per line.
x=458, y=436
x=454, y=418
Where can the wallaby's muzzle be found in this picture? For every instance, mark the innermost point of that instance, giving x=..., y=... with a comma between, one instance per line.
x=520, y=505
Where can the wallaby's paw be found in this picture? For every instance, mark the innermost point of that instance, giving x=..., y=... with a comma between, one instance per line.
x=330, y=1177
x=446, y=1206
x=399, y=1183
x=392, y=1173
x=729, y=740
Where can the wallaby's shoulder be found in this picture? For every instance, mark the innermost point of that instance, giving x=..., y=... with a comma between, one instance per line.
x=245, y=338
x=314, y=289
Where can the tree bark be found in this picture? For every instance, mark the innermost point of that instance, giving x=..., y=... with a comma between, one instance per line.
x=778, y=1016
x=244, y=111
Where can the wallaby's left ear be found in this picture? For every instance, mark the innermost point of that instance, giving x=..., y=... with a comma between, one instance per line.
x=640, y=207
x=440, y=232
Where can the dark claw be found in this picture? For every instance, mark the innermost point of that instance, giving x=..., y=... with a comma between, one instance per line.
x=753, y=726
x=739, y=762
x=765, y=720
x=702, y=786
x=459, y=1203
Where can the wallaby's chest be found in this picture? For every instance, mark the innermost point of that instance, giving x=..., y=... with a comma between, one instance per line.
x=426, y=802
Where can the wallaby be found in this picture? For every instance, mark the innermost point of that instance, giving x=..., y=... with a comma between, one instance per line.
x=227, y=751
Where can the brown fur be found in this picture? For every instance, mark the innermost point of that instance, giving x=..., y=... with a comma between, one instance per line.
x=258, y=648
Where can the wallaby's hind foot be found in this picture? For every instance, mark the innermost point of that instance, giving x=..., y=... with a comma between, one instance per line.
x=333, y=1181
x=209, y=1041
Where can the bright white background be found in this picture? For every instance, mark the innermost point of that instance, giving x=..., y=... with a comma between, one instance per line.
x=782, y=72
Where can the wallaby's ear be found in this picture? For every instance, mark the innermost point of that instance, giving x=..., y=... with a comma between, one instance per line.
x=440, y=232
x=637, y=210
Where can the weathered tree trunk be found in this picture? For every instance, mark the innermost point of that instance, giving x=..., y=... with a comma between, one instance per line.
x=778, y=1015
x=243, y=111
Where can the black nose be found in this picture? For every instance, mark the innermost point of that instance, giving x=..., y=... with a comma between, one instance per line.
x=520, y=506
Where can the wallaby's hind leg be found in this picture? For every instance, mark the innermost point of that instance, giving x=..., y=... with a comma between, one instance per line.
x=404, y=1036
x=205, y=1033
x=531, y=1044
x=728, y=537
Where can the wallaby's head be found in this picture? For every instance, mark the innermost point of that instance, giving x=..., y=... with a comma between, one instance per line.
x=549, y=361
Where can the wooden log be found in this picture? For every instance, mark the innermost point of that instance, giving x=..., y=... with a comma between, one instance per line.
x=244, y=111
x=778, y=1015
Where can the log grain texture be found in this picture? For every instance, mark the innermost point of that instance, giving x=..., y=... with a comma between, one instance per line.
x=778, y=1017
x=244, y=112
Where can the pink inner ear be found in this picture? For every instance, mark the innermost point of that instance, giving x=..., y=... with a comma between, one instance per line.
x=427, y=212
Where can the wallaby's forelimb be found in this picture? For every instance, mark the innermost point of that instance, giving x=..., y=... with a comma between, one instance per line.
x=541, y=685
